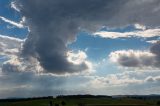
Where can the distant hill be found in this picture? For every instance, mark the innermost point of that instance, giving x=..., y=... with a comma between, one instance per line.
x=83, y=96
x=152, y=96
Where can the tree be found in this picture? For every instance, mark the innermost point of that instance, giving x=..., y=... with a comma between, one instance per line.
x=50, y=103
x=56, y=104
x=158, y=102
x=81, y=104
x=63, y=103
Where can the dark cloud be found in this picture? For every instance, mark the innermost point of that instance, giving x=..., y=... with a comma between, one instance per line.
x=140, y=59
x=153, y=79
x=145, y=12
x=54, y=24
x=28, y=84
x=155, y=49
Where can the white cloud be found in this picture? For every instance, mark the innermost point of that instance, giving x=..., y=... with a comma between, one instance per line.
x=146, y=33
x=138, y=59
x=10, y=45
x=18, y=25
x=78, y=58
x=131, y=58
x=153, y=41
x=153, y=79
x=126, y=82
x=114, y=80
x=13, y=5
x=141, y=27
x=11, y=48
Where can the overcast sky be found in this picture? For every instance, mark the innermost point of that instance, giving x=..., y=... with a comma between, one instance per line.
x=55, y=47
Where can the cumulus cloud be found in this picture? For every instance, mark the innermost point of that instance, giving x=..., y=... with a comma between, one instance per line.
x=54, y=24
x=11, y=49
x=133, y=58
x=79, y=57
x=10, y=45
x=139, y=59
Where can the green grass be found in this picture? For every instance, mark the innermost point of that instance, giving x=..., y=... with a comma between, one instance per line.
x=87, y=101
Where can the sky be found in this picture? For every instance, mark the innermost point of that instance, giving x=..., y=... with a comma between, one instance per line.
x=59, y=47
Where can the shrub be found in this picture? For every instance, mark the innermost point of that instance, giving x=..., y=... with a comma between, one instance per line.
x=81, y=104
x=56, y=104
x=63, y=103
x=158, y=102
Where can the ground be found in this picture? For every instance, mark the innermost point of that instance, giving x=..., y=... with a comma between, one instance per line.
x=85, y=101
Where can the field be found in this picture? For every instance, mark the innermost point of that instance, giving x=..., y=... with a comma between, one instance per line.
x=84, y=102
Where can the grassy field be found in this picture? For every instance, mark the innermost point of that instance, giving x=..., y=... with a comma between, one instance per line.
x=86, y=101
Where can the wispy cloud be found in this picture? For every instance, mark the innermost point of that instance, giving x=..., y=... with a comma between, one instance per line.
x=13, y=5
x=11, y=48
x=9, y=45
x=146, y=33
x=153, y=79
x=152, y=41
x=18, y=25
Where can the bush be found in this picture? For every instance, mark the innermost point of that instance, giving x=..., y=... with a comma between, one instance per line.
x=56, y=104
x=50, y=103
x=158, y=102
x=63, y=103
x=81, y=104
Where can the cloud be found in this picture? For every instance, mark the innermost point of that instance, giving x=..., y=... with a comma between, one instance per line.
x=79, y=57
x=29, y=84
x=21, y=77
x=153, y=79
x=125, y=82
x=11, y=49
x=18, y=25
x=14, y=61
x=54, y=24
x=133, y=58
x=76, y=58
x=13, y=5
x=139, y=59
x=10, y=45
x=140, y=33
x=155, y=48
x=152, y=41
x=138, y=26
x=114, y=80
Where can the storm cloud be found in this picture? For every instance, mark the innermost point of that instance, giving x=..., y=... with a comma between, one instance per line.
x=29, y=84
x=44, y=64
x=53, y=25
